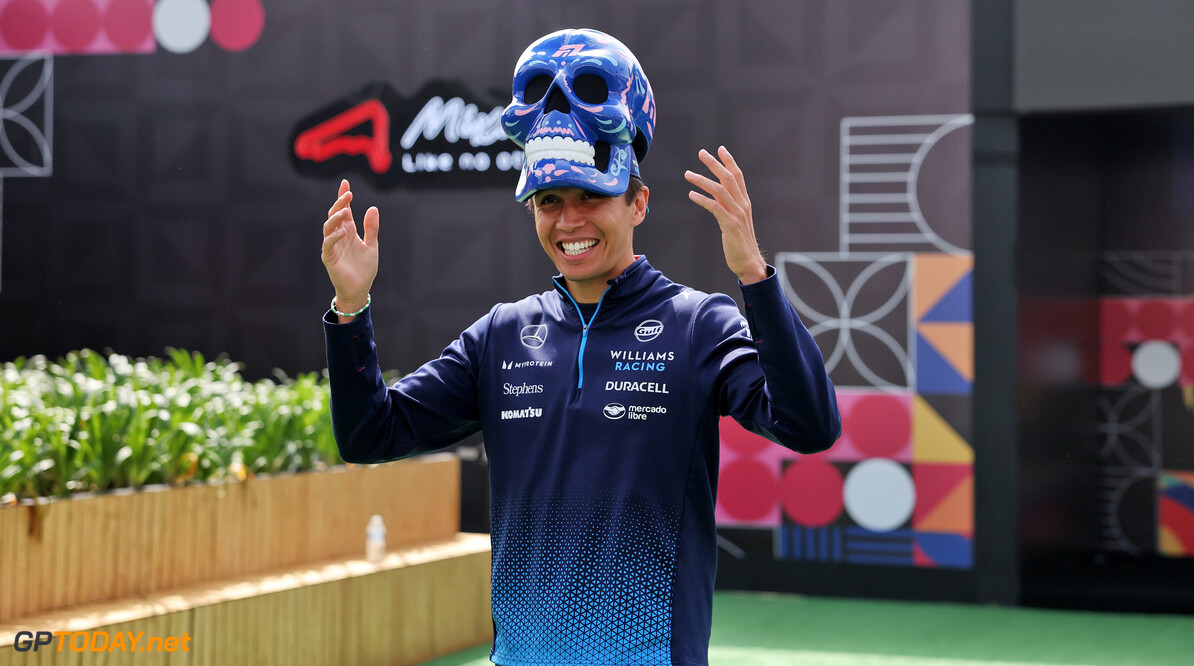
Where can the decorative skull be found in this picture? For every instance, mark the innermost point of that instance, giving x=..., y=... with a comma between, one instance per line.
x=583, y=111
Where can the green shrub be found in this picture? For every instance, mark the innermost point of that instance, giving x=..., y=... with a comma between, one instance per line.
x=90, y=423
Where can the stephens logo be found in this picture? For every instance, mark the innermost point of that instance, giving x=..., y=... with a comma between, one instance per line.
x=648, y=330
x=521, y=389
x=614, y=411
x=533, y=335
x=443, y=136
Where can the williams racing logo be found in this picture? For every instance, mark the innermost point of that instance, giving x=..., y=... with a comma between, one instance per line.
x=640, y=361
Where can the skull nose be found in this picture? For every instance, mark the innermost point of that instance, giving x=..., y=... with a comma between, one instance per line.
x=556, y=101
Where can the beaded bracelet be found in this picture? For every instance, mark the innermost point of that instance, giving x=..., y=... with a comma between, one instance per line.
x=368, y=300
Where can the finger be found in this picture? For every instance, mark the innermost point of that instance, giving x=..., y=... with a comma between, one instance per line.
x=343, y=187
x=708, y=204
x=372, y=224
x=723, y=174
x=716, y=189
x=342, y=202
x=329, y=244
x=731, y=165
x=336, y=221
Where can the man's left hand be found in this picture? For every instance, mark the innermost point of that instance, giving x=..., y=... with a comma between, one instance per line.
x=731, y=206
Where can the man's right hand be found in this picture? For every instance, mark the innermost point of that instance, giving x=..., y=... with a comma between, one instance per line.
x=351, y=261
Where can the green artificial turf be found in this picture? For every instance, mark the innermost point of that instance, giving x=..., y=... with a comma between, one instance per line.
x=772, y=629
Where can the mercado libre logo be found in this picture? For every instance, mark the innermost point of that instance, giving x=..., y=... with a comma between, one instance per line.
x=443, y=136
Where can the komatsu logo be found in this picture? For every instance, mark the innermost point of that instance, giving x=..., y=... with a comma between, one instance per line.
x=528, y=413
x=648, y=330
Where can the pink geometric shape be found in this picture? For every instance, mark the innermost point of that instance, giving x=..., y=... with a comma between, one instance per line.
x=740, y=439
x=24, y=24
x=879, y=425
x=848, y=448
x=236, y=24
x=75, y=24
x=1157, y=319
x=1115, y=363
x=129, y=24
x=1186, y=320
x=1115, y=319
x=76, y=27
x=747, y=491
x=1187, y=376
x=811, y=490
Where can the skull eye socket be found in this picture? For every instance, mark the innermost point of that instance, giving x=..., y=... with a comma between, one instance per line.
x=536, y=89
x=590, y=89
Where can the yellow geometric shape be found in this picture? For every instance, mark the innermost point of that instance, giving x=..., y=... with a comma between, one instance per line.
x=955, y=342
x=1168, y=543
x=954, y=514
x=933, y=276
x=934, y=440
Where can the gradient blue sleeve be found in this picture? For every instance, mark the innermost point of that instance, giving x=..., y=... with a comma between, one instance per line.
x=766, y=371
x=427, y=410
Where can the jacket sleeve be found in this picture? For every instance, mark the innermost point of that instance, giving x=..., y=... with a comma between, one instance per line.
x=765, y=370
x=427, y=410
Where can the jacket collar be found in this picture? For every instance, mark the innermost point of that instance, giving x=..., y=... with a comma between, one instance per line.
x=638, y=277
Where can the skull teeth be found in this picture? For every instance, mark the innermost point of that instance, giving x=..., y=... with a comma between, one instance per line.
x=559, y=148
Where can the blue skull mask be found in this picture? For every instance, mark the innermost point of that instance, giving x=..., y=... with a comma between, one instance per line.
x=583, y=111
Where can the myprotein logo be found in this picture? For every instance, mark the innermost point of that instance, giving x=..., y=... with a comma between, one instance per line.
x=521, y=389
x=533, y=335
x=648, y=330
x=518, y=365
x=614, y=411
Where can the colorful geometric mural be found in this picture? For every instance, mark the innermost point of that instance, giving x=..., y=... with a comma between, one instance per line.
x=892, y=313
x=1175, y=496
x=1146, y=368
x=93, y=27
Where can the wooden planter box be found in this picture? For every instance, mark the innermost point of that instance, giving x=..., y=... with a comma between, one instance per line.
x=130, y=544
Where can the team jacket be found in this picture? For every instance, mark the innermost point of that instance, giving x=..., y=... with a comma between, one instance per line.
x=603, y=449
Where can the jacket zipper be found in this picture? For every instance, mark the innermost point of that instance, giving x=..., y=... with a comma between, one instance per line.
x=584, y=335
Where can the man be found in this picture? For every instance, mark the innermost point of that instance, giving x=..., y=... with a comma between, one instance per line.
x=599, y=400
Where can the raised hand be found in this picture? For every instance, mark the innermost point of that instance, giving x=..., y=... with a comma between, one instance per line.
x=730, y=204
x=351, y=261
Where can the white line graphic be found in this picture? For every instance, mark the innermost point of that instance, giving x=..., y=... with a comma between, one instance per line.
x=15, y=116
x=884, y=169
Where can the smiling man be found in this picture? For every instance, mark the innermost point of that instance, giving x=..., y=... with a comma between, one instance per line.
x=599, y=399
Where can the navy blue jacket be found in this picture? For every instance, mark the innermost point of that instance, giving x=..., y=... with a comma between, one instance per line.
x=603, y=446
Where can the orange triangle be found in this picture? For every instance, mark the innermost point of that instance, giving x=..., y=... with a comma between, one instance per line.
x=934, y=440
x=954, y=514
x=934, y=276
x=955, y=342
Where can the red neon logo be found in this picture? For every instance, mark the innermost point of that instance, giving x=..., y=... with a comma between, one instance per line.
x=328, y=139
